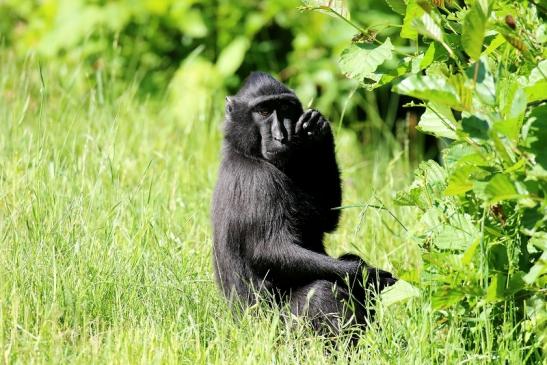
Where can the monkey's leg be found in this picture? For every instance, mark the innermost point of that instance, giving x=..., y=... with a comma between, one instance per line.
x=327, y=306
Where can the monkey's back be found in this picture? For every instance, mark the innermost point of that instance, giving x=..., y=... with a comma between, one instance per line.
x=243, y=188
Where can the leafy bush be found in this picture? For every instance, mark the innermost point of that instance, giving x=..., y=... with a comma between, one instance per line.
x=479, y=70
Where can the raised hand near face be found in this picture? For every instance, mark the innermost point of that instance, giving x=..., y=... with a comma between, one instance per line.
x=312, y=125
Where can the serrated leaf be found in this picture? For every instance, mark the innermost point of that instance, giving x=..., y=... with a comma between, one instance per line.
x=499, y=188
x=399, y=292
x=458, y=233
x=459, y=181
x=536, y=88
x=432, y=88
x=536, y=137
x=339, y=6
x=438, y=121
x=473, y=30
x=429, y=182
x=475, y=127
x=427, y=26
x=446, y=297
x=232, y=56
x=413, y=11
x=539, y=269
x=408, y=198
x=496, y=288
x=514, y=113
x=496, y=42
x=428, y=56
x=398, y=6
x=485, y=86
x=451, y=238
x=433, y=176
x=455, y=152
x=360, y=61
x=470, y=252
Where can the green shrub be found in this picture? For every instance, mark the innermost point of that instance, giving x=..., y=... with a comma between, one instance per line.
x=479, y=70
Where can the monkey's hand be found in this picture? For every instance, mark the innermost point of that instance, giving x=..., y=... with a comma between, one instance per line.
x=312, y=125
x=379, y=279
x=376, y=279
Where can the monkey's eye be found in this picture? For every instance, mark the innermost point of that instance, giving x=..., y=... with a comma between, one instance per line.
x=263, y=112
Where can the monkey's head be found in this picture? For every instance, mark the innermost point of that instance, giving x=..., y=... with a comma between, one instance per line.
x=260, y=119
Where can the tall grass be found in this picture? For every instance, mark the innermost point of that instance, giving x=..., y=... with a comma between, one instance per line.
x=105, y=240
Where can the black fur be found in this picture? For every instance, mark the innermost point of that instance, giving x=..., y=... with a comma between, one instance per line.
x=272, y=205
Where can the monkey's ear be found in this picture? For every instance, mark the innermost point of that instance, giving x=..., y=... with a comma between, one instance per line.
x=229, y=104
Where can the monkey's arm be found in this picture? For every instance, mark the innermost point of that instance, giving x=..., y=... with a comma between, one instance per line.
x=285, y=262
x=314, y=166
x=288, y=264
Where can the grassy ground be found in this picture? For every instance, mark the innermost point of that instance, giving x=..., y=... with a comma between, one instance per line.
x=105, y=240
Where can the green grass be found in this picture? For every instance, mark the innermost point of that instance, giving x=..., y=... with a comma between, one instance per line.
x=105, y=240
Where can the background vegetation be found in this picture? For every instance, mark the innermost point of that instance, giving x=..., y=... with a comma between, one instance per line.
x=110, y=141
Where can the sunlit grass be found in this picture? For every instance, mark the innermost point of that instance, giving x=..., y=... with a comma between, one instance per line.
x=105, y=240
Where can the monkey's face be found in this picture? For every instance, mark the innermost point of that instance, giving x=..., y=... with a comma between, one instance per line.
x=276, y=120
x=261, y=118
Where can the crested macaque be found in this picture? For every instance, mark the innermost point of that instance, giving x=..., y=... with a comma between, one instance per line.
x=277, y=186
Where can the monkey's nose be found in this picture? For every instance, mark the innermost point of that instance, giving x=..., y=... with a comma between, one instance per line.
x=278, y=131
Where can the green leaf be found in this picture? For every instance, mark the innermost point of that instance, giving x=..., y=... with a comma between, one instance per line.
x=446, y=297
x=438, y=121
x=433, y=88
x=459, y=182
x=458, y=153
x=408, y=198
x=451, y=238
x=339, y=6
x=474, y=27
x=232, y=56
x=485, y=86
x=539, y=241
x=398, y=6
x=496, y=42
x=496, y=288
x=515, y=284
x=539, y=269
x=428, y=56
x=536, y=87
x=536, y=136
x=432, y=176
x=499, y=188
x=360, y=61
x=399, y=292
x=475, y=127
x=468, y=255
x=427, y=26
x=413, y=11
x=449, y=230
x=498, y=260
x=428, y=184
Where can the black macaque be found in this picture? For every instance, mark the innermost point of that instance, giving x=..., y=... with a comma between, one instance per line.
x=277, y=186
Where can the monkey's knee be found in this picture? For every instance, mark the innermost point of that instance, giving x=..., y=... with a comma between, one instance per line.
x=322, y=303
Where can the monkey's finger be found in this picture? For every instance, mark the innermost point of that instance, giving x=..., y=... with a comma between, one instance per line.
x=303, y=119
x=322, y=125
x=384, y=283
x=310, y=124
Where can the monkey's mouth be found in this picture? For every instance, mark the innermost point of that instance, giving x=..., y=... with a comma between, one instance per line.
x=276, y=153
